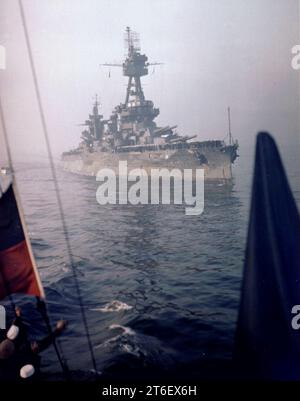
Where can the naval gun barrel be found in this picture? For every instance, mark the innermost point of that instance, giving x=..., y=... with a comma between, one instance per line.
x=164, y=129
x=182, y=139
x=191, y=137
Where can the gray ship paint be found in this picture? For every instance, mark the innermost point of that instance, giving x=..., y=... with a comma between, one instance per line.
x=131, y=133
x=137, y=187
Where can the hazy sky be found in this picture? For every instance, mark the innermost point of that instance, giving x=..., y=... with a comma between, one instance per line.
x=215, y=53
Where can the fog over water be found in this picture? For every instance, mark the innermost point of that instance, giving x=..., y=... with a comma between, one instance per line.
x=161, y=289
x=215, y=54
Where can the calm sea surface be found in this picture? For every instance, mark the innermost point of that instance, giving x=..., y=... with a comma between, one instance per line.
x=160, y=289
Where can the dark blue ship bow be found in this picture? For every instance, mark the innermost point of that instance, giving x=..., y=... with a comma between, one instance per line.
x=267, y=346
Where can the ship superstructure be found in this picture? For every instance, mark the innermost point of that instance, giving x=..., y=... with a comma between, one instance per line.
x=132, y=134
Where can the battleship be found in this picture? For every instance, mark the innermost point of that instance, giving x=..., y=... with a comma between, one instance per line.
x=131, y=134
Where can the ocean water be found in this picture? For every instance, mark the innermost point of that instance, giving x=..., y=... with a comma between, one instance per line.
x=160, y=289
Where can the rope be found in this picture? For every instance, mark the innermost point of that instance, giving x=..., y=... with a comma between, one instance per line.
x=42, y=308
x=56, y=187
x=3, y=124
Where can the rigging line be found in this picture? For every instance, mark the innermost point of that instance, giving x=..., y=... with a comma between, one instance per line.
x=7, y=148
x=42, y=308
x=8, y=153
x=53, y=171
x=6, y=283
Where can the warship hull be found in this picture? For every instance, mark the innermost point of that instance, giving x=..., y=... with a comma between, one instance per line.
x=217, y=163
x=131, y=134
